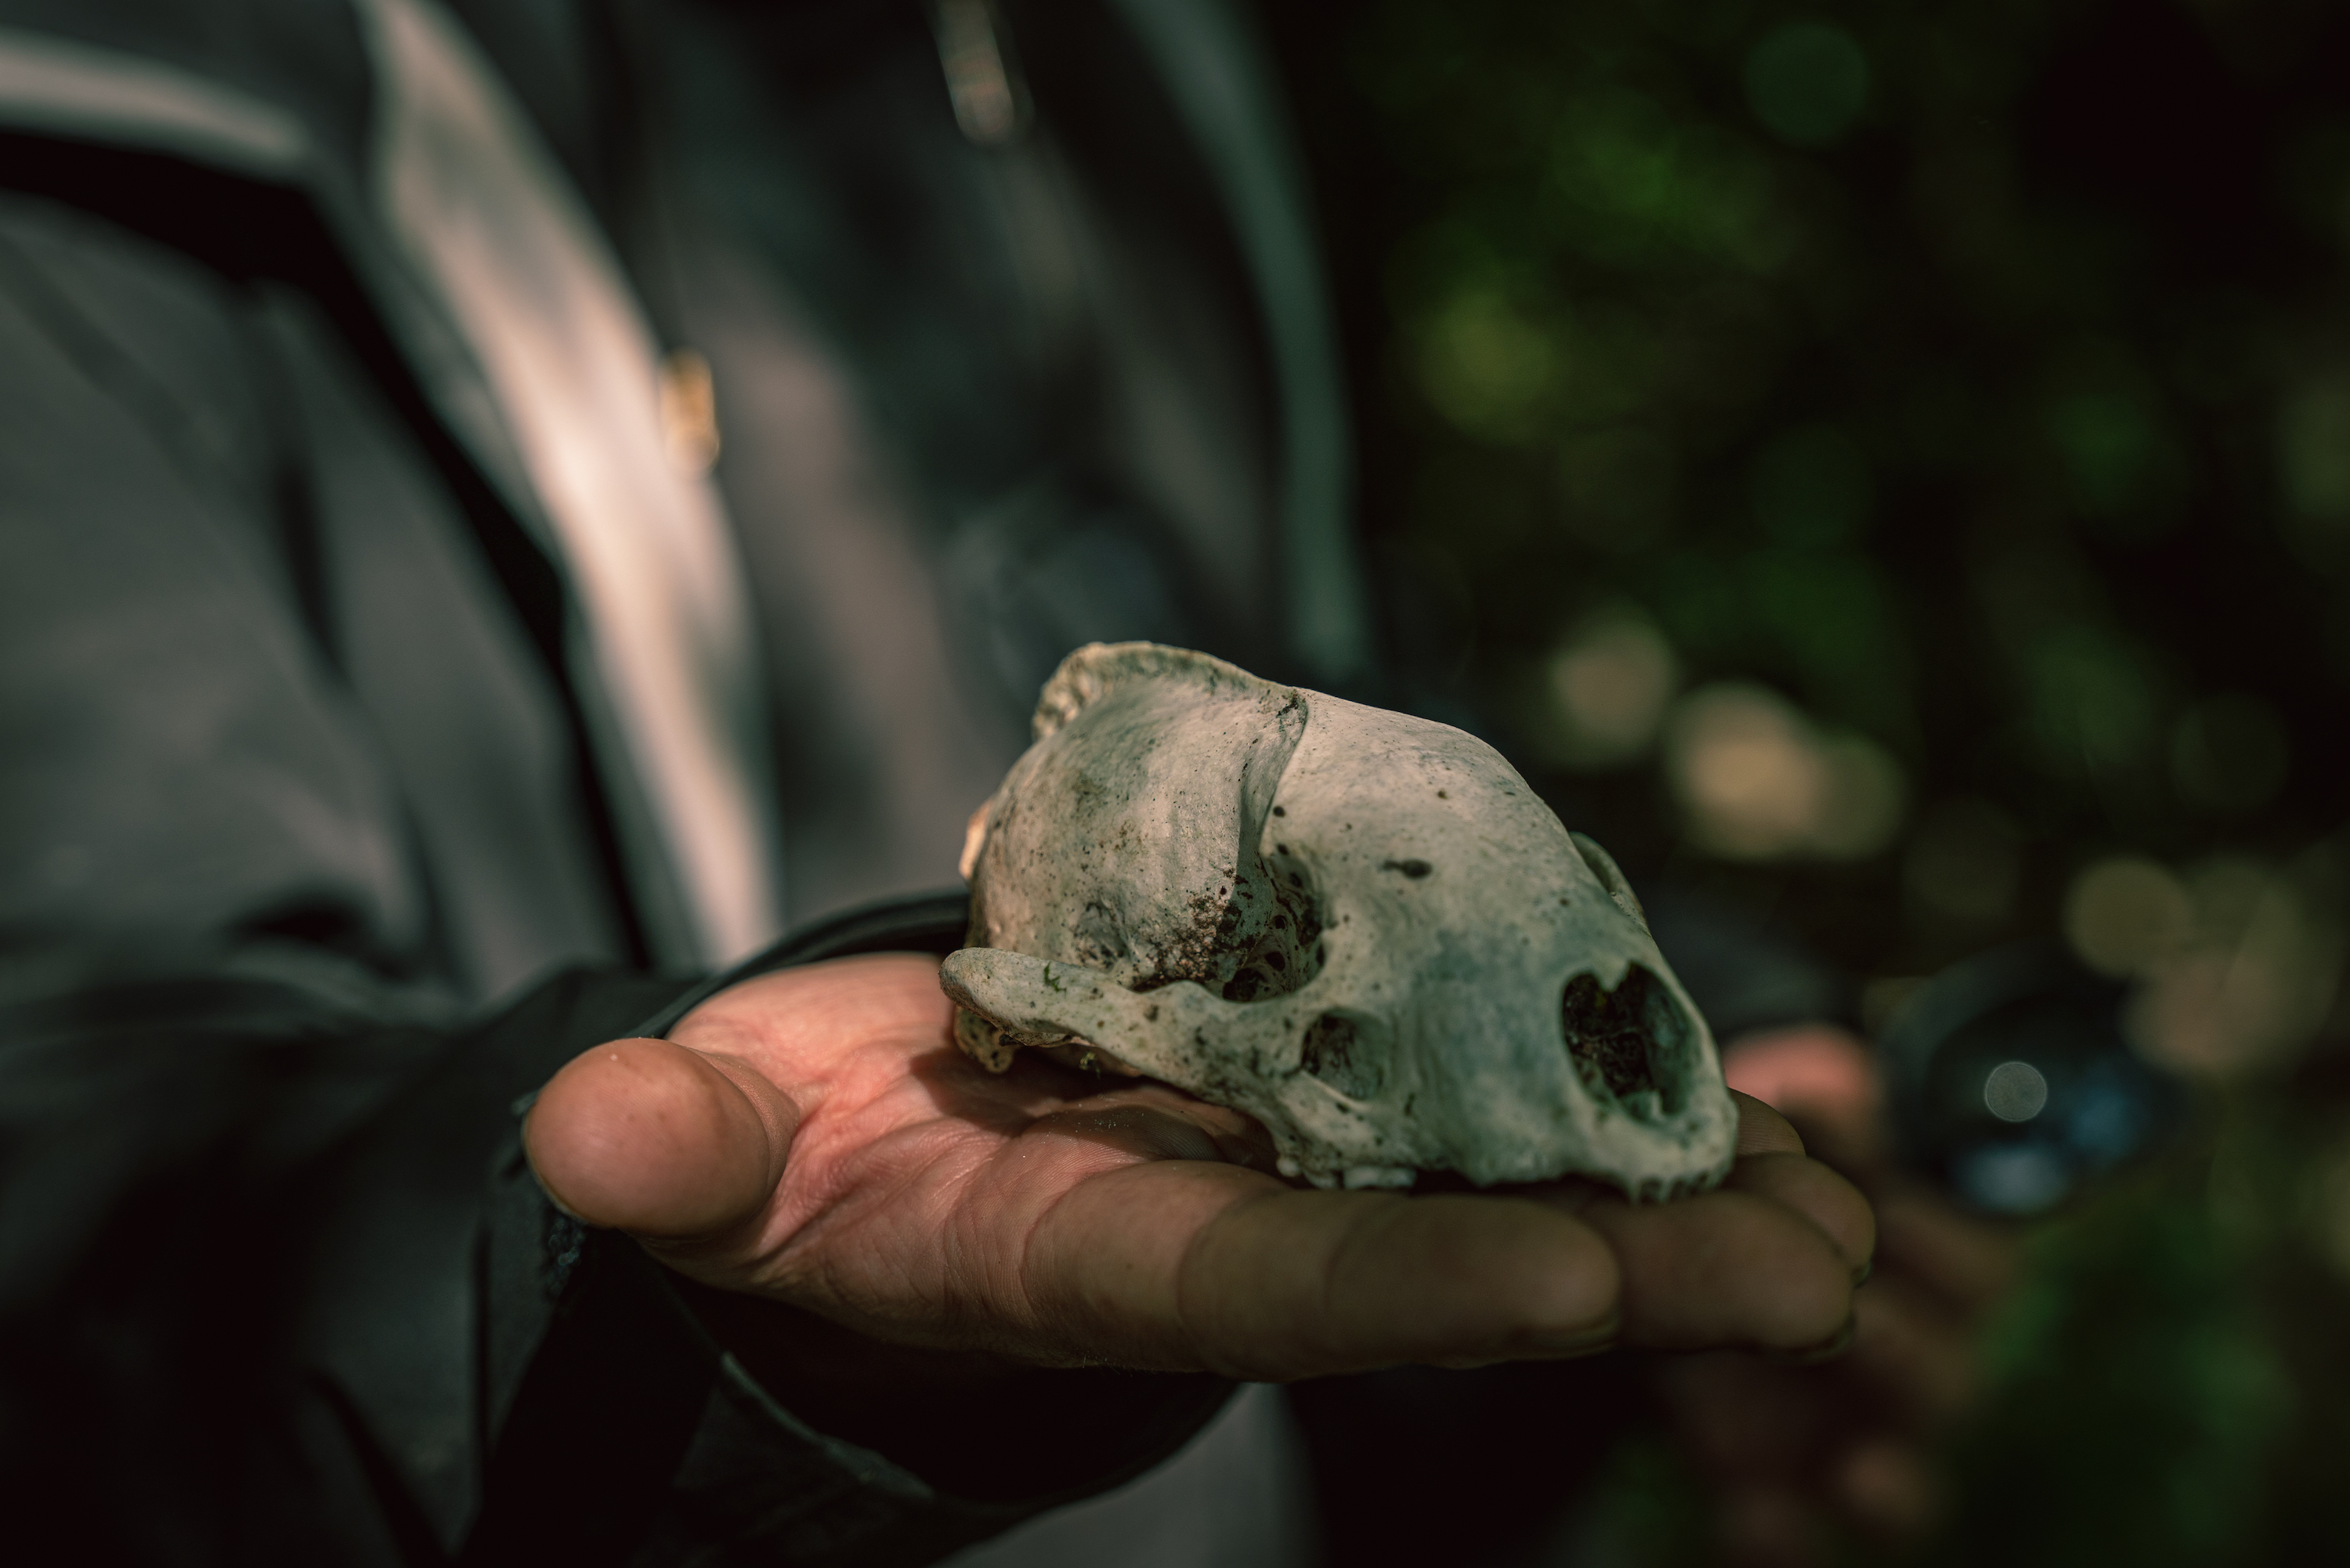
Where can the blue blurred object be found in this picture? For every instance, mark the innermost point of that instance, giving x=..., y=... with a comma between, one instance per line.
x=2009, y=1080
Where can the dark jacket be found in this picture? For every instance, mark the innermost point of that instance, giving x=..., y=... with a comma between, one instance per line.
x=316, y=856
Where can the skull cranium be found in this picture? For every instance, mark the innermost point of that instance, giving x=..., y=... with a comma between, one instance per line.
x=1361, y=928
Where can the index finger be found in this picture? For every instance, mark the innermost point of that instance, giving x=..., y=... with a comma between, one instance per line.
x=1762, y=1130
x=1725, y=1268
x=1184, y=1264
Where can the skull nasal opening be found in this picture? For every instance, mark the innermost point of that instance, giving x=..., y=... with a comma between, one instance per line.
x=1629, y=1045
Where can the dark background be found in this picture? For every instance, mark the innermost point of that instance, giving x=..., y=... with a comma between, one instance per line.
x=1948, y=404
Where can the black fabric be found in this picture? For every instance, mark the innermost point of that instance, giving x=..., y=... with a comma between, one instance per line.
x=642, y=1375
x=261, y=1316
x=192, y=1252
x=344, y=759
x=306, y=881
x=604, y=1417
x=926, y=923
x=1523, y=1440
x=249, y=1148
x=308, y=57
x=1123, y=1421
x=252, y=237
x=981, y=405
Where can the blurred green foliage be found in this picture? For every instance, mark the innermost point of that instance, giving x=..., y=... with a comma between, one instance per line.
x=2138, y=1405
x=1975, y=373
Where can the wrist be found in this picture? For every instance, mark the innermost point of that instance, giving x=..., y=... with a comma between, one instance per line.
x=972, y=1424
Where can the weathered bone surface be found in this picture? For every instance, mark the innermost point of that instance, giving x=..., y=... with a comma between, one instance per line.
x=1361, y=928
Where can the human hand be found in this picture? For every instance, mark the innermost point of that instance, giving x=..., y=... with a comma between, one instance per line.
x=1787, y=1447
x=813, y=1136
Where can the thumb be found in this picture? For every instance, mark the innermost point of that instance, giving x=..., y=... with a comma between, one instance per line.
x=648, y=1137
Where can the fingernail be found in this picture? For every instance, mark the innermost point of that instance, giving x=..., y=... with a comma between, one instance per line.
x=1567, y=1345
x=1828, y=1349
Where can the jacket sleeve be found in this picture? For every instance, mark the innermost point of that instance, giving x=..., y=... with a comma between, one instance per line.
x=274, y=1283
x=705, y=1448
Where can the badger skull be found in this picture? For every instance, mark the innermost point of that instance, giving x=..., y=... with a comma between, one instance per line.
x=1361, y=928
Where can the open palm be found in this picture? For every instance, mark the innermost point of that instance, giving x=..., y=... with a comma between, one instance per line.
x=813, y=1136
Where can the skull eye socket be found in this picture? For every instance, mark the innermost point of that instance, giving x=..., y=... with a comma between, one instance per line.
x=1258, y=935
x=1629, y=1045
x=1288, y=953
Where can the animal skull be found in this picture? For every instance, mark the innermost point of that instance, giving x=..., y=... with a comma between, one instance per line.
x=1361, y=928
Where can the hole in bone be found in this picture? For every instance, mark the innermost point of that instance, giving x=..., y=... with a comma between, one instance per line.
x=1285, y=956
x=1336, y=1053
x=1628, y=1043
x=1088, y=1057
x=1256, y=938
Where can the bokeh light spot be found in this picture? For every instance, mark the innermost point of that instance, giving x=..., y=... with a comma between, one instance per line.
x=2328, y=1206
x=2015, y=1092
x=2123, y=914
x=1758, y=782
x=2012, y=1178
x=1485, y=367
x=2093, y=701
x=2251, y=982
x=2314, y=449
x=1611, y=680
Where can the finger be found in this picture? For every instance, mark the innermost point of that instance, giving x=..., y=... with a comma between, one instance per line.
x=1820, y=1076
x=1910, y=1358
x=1886, y=1487
x=806, y=1029
x=648, y=1137
x=1762, y=1130
x=1450, y=1280
x=1729, y=1268
x=1244, y=1276
x=1969, y=1263
x=1744, y=1417
x=1768, y=1526
x=1810, y=1188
